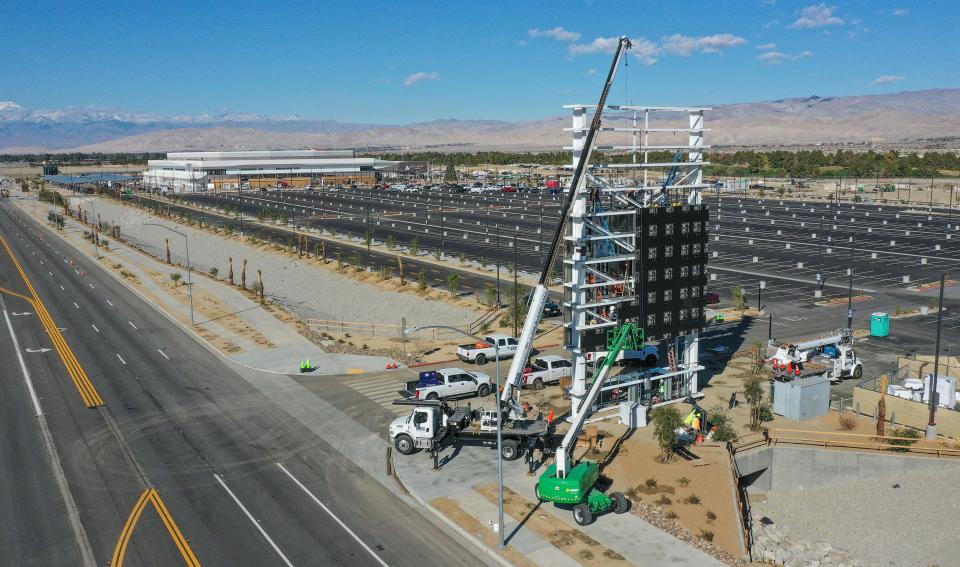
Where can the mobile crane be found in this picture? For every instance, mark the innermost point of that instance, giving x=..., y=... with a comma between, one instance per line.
x=561, y=482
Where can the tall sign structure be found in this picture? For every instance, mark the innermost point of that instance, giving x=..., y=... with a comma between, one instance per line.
x=636, y=242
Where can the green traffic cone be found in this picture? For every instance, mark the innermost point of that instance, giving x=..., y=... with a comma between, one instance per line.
x=309, y=366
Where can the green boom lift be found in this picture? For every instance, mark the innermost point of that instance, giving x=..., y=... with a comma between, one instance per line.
x=564, y=484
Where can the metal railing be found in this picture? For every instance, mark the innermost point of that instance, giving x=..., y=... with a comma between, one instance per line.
x=834, y=439
x=743, y=505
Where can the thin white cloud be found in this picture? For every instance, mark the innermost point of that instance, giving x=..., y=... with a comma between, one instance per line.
x=556, y=33
x=766, y=46
x=679, y=44
x=817, y=16
x=419, y=77
x=887, y=79
x=591, y=72
x=771, y=23
x=901, y=12
x=648, y=52
x=778, y=57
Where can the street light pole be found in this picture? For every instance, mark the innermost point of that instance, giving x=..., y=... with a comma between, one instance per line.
x=850, y=291
x=186, y=242
x=932, y=423
x=496, y=355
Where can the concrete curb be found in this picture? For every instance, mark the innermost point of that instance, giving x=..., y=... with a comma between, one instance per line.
x=448, y=522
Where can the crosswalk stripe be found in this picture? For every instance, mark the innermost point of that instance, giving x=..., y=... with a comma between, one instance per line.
x=379, y=388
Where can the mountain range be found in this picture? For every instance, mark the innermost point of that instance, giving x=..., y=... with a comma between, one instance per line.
x=884, y=119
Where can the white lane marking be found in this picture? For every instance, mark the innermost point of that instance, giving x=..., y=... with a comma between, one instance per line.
x=61, y=287
x=41, y=262
x=332, y=515
x=111, y=304
x=132, y=325
x=49, y=272
x=121, y=359
x=253, y=520
x=23, y=367
x=163, y=354
x=75, y=305
x=79, y=533
x=94, y=327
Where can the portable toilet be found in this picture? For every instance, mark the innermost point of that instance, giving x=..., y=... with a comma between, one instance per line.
x=879, y=324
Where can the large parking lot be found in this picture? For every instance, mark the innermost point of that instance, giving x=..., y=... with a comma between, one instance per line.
x=784, y=243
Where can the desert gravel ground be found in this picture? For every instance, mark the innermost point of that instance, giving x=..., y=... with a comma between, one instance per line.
x=310, y=290
x=914, y=524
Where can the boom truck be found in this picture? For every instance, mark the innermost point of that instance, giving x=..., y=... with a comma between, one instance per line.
x=830, y=355
x=564, y=482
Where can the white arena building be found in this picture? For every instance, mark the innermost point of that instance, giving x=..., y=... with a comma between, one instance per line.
x=198, y=171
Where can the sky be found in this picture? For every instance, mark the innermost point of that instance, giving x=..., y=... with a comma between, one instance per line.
x=401, y=62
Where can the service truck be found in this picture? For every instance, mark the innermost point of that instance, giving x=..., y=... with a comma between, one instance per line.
x=448, y=383
x=433, y=424
x=547, y=369
x=830, y=355
x=481, y=352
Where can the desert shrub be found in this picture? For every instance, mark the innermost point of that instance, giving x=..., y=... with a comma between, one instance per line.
x=900, y=445
x=693, y=499
x=711, y=516
x=683, y=481
x=847, y=420
x=724, y=433
x=671, y=515
x=706, y=535
x=214, y=271
x=663, y=500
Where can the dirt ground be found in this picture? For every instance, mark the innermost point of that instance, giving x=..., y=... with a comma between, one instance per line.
x=452, y=510
x=578, y=545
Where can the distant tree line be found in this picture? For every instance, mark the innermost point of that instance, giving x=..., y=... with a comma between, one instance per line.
x=778, y=163
x=82, y=158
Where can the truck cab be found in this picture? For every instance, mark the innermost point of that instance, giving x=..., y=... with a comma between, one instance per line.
x=417, y=430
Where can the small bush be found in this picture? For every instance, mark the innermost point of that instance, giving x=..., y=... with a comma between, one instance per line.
x=766, y=413
x=693, y=500
x=671, y=515
x=711, y=516
x=847, y=421
x=175, y=277
x=901, y=444
x=663, y=500
x=213, y=272
x=724, y=433
x=683, y=481
x=706, y=535
x=651, y=482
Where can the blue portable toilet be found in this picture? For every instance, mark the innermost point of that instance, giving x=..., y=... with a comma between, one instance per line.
x=879, y=324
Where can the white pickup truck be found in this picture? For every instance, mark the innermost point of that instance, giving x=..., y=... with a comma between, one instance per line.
x=480, y=353
x=648, y=356
x=448, y=383
x=548, y=369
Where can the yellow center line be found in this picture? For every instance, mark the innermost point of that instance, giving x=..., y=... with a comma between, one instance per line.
x=91, y=397
x=151, y=496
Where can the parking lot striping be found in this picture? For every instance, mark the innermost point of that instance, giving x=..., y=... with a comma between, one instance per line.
x=132, y=325
x=91, y=285
x=75, y=305
x=332, y=515
x=94, y=327
x=111, y=304
x=121, y=359
x=253, y=521
x=88, y=392
x=163, y=354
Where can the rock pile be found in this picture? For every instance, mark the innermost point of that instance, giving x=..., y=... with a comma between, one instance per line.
x=772, y=544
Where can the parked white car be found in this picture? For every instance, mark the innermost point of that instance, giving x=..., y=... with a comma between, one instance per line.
x=547, y=369
x=480, y=353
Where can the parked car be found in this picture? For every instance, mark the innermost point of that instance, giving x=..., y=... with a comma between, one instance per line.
x=481, y=352
x=448, y=383
x=508, y=189
x=711, y=298
x=547, y=369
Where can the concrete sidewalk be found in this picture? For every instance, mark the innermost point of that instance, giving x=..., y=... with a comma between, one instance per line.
x=279, y=348
x=468, y=470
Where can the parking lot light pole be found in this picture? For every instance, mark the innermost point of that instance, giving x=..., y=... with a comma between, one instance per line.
x=932, y=423
x=850, y=291
x=186, y=243
x=496, y=355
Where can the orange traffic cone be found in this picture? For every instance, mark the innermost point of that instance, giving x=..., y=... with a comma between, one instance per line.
x=550, y=417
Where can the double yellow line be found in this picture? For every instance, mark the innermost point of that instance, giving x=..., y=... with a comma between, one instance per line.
x=91, y=397
x=151, y=496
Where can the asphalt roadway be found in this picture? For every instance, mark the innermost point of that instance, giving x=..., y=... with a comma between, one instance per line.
x=184, y=461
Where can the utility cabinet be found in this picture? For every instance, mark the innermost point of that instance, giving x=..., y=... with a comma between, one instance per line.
x=800, y=399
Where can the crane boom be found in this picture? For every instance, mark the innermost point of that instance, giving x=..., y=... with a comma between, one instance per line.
x=539, y=296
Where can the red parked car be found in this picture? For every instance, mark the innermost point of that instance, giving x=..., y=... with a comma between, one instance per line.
x=508, y=189
x=711, y=298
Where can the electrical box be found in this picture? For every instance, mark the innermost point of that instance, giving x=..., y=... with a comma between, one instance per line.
x=801, y=399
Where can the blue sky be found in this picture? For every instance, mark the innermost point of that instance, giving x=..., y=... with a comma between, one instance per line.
x=399, y=62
